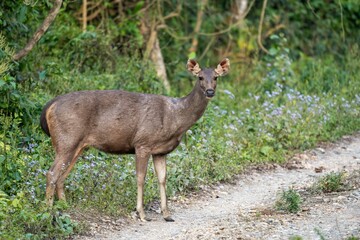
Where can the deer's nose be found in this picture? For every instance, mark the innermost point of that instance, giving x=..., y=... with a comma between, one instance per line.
x=210, y=92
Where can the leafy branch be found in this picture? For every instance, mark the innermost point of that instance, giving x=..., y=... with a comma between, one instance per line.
x=40, y=31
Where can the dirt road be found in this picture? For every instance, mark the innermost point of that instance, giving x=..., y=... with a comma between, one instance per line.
x=244, y=210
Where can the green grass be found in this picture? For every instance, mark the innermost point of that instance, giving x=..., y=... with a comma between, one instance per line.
x=332, y=182
x=321, y=237
x=352, y=238
x=289, y=201
x=295, y=238
x=335, y=182
x=262, y=121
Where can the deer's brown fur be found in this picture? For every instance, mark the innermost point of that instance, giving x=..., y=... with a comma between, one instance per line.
x=121, y=122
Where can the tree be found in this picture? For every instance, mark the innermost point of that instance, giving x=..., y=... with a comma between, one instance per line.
x=40, y=31
x=151, y=22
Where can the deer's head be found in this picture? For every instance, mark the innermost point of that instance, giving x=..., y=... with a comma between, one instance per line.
x=208, y=76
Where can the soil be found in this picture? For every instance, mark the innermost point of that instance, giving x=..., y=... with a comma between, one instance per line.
x=245, y=209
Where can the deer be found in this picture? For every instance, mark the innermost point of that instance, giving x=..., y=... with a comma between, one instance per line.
x=121, y=122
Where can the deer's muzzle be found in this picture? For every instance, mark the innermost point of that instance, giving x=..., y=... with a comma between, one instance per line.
x=209, y=93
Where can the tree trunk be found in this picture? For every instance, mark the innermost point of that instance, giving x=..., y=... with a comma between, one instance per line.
x=84, y=15
x=157, y=58
x=40, y=31
x=240, y=9
x=199, y=18
x=152, y=49
x=259, y=38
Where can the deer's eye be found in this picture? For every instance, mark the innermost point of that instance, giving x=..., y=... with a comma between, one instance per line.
x=201, y=78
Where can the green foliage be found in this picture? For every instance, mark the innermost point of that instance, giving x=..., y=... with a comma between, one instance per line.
x=6, y=53
x=304, y=91
x=320, y=234
x=89, y=50
x=332, y=182
x=110, y=183
x=295, y=238
x=3, y=203
x=278, y=63
x=10, y=164
x=131, y=74
x=237, y=129
x=13, y=103
x=316, y=27
x=33, y=223
x=289, y=201
x=352, y=238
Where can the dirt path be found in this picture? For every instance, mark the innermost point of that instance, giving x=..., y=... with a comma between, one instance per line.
x=243, y=210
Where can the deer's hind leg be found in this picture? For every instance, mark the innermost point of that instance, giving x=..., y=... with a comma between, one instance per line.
x=60, y=182
x=142, y=158
x=65, y=158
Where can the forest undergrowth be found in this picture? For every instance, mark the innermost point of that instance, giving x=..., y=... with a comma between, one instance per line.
x=264, y=111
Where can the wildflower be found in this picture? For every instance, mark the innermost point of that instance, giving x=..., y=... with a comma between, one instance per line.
x=275, y=93
x=230, y=94
x=276, y=112
x=325, y=118
x=295, y=116
x=289, y=96
x=357, y=98
x=228, y=135
x=346, y=105
x=232, y=127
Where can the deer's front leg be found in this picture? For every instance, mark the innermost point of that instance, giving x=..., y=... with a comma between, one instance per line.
x=142, y=158
x=160, y=169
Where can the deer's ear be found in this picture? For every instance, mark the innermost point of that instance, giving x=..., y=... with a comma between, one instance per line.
x=193, y=67
x=223, y=67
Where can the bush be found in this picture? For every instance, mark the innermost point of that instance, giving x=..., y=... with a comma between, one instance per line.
x=289, y=201
x=332, y=182
x=33, y=223
x=265, y=121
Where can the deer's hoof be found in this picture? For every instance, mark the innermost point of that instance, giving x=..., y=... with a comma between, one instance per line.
x=145, y=219
x=169, y=219
x=142, y=217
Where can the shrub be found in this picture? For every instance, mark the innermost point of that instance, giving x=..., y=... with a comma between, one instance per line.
x=289, y=201
x=332, y=182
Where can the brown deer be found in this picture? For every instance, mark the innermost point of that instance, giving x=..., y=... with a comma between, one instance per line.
x=121, y=122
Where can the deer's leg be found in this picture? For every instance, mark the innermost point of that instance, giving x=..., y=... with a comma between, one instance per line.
x=56, y=170
x=142, y=158
x=160, y=169
x=69, y=165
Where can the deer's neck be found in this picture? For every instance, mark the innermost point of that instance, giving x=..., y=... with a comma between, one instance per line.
x=192, y=107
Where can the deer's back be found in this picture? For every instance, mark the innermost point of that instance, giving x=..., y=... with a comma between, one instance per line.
x=113, y=121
